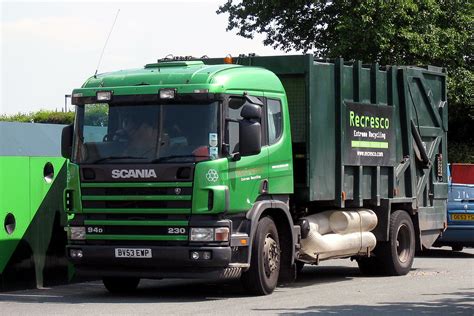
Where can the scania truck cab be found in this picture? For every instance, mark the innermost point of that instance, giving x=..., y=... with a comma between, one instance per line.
x=191, y=169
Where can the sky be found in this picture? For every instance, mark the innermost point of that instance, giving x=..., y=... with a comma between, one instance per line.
x=49, y=48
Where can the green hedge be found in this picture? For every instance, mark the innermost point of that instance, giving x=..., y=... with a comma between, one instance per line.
x=42, y=116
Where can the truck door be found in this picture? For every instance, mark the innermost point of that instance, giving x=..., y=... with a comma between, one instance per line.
x=247, y=175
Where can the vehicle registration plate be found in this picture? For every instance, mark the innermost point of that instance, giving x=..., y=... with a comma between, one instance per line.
x=462, y=217
x=132, y=253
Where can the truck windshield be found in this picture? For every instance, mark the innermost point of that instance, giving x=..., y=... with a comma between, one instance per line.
x=108, y=133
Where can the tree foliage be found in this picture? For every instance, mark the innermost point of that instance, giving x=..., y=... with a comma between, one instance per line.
x=97, y=115
x=412, y=32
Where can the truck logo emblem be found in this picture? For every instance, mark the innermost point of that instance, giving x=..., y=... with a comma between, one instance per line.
x=133, y=173
x=177, y=191
x=212, y=175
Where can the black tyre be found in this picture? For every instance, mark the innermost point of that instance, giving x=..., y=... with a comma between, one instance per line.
x=262, y=277
x=394, y=257
x=398, y=253
x=120, y=285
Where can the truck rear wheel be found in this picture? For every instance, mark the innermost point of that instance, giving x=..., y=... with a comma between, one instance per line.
x=398, y=253
x=394, y=257
x=120, y=285
x=262, y=276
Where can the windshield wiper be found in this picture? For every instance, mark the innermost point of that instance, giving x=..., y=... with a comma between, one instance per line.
x=177, y=156
x=117, y=157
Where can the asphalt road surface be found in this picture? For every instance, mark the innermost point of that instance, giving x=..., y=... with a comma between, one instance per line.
x=440, y=283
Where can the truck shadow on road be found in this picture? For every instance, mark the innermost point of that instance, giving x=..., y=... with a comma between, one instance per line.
x=459, y=303
x=313, y=275
x=153, y=291
x=189, y=291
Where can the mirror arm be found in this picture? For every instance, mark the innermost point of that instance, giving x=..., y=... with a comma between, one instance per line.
x=253, y=100
x=225, y=149
x=235, y=156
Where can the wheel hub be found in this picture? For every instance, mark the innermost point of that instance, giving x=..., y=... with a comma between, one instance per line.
x=403, y=243
x=271, y=255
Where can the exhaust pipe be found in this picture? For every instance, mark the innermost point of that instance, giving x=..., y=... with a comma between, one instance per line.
x=338, y=233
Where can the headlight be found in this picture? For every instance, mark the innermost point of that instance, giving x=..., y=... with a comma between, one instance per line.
x=209, y=234
x=202, y=234
x=77, y=233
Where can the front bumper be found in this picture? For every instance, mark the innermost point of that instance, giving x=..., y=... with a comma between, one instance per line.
x=166, y=262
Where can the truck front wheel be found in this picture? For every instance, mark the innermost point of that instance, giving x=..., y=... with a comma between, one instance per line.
x=262, y=276
x=120, y=285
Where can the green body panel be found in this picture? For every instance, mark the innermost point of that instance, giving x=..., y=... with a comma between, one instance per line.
x=34, y=249
x=15, y=200
x=36, y=205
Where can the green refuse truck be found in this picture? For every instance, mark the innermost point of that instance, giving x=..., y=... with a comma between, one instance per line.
x=252, y=167
x=32, y=182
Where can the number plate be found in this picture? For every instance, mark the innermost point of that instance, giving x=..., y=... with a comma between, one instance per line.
x=132, y=253
x=462, y=217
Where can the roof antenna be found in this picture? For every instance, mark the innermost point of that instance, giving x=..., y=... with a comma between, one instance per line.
x=105, y=45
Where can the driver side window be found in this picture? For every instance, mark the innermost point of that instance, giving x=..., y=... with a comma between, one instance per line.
x=275, y=123
x=234, y=109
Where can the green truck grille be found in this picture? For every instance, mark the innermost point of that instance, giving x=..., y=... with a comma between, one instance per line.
x=130, y=212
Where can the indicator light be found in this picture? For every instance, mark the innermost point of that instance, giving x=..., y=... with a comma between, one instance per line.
x=221, y=234
x=228, y=59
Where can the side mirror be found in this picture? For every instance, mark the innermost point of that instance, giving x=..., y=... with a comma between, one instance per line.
x=66, y=141
x=250, y=137
x=251, y=111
